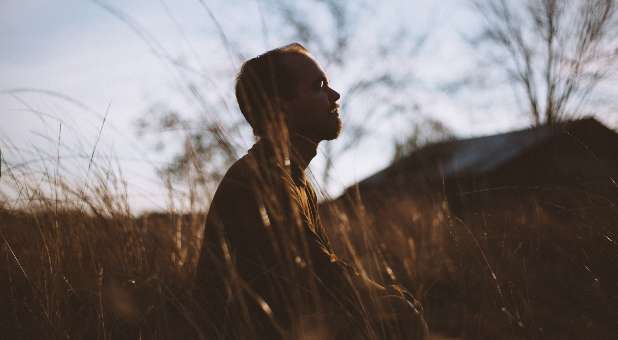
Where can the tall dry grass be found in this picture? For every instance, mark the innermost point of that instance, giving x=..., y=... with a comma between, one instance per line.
x=78, y=264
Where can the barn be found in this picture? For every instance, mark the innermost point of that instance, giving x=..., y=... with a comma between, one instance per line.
x=493, y=173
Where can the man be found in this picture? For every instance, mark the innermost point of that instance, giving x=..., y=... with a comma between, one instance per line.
x=267, y=269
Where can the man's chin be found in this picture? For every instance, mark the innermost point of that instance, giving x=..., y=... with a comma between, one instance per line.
x=333, y=133
x=324, y=132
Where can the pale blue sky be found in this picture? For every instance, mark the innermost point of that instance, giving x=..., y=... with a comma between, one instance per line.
x=78, y=49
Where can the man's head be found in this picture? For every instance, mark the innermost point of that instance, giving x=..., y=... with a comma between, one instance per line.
x=286, y=87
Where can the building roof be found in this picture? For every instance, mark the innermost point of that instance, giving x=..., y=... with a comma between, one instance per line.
x=479, y=156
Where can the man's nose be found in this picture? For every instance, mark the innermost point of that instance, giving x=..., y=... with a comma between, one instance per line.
x=334, y=95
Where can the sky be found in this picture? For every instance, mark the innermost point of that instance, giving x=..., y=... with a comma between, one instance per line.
x=75, y=78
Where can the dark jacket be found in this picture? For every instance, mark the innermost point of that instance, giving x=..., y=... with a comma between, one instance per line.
x=266, y=266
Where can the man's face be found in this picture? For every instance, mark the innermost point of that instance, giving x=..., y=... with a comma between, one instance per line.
x=313, y=111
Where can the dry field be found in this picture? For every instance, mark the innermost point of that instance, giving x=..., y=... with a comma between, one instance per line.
x=77, y=264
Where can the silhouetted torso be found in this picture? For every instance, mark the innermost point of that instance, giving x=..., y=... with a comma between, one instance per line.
x=266, y=261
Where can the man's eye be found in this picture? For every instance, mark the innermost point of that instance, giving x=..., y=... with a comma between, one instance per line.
x=322, y=84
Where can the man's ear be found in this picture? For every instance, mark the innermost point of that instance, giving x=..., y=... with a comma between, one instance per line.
x=286, y=107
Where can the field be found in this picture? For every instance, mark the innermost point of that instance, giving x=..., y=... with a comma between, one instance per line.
x=84, y=267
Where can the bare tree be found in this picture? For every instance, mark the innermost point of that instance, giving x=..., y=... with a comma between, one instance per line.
x=556, y=52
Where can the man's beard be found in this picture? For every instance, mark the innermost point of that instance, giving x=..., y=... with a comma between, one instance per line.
x=327, y=130
x=333, y=132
